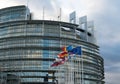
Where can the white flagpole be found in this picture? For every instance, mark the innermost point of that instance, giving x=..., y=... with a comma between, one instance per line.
x=82, y=68
x=70, y=72
x=59, y=16
x=43, y=13
x=82, y=71
x=79, y=70
x=26, y=17
x=27, y=2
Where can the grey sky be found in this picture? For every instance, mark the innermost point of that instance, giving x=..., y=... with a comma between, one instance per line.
x=105, y=13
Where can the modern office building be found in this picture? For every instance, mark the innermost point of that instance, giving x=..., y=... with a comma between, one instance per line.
x=28, y=48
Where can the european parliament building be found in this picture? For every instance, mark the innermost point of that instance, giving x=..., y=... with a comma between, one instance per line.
x=28, y=48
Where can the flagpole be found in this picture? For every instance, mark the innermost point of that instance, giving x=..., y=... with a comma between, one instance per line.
x=43, y=13
x=82, y=71
x=27, y=10
x=71, y=71
x=59, y=15
x=81, y=67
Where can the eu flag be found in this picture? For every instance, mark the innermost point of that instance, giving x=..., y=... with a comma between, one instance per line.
x=69, y=48
x=77, y=50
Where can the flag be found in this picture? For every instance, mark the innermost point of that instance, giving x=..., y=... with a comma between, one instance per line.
x=76, y=50
x=64, y=49
x=66, y=54
x=57, y=63
x=58, y=59
x=62, y=54
x=69, y=48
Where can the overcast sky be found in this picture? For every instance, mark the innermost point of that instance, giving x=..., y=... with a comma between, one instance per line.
x=105, y=13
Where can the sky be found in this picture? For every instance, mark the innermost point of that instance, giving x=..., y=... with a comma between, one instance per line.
x=105, y=14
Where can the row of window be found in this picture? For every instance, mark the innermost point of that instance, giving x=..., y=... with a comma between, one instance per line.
x=37, y=34
x=33, y=64
x=47, y=56
x=45, y=43
x=12, y=15
x=19, y=74
x=9, y=46
x=48, y=31
x=42, y=80
x=10, y=10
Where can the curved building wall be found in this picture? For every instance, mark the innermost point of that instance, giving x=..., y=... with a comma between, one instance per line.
x=29, y=47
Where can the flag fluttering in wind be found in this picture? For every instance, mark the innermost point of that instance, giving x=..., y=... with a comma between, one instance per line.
x=64, y=49
x=69, y=48
x=66, y=54
x=63, y=54
x=59, y=61
x=76, y=50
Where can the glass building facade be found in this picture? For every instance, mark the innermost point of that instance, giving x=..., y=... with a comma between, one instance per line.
x=29, y=47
